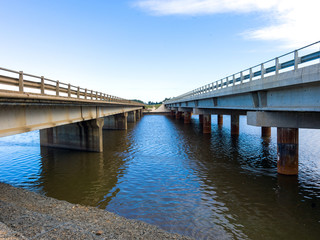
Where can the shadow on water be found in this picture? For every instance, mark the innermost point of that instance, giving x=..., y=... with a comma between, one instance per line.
x=164, y=172
x=84, y=177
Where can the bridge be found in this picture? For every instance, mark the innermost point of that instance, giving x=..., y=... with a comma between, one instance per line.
x=67, y=116
x=283, y=92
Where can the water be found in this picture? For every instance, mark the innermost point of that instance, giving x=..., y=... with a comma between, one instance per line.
x=169, y=174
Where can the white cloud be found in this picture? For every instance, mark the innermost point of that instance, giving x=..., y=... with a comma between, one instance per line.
x=295, y=22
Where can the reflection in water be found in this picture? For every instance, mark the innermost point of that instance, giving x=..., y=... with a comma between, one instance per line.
x=170, y=174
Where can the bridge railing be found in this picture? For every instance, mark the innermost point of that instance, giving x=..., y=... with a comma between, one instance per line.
x=290, y=61
x=19, y=82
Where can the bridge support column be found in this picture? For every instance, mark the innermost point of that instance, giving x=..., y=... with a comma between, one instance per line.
x=178, y=115
x=138, y=115
x=265, y=131
x=118, y=121
x=288, y=150
x=132, y=118
x=187, y=117
x=201, y=118
x=86, y=136
x=206, y=123
x=234, y=124
x=173, y=113
x=220, y=120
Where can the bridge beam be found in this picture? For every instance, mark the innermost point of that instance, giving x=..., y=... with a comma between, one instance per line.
x=206, y=123
x=288, y=150
x=118, y=121
x=86, y=136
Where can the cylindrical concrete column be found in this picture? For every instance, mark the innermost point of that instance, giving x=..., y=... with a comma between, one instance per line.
x=187, y=117
x=206, y=123
x=234, y=124
x=288, y=150
x=265, y=131
x=220, y=120
x=201, y=118
x=178, y=115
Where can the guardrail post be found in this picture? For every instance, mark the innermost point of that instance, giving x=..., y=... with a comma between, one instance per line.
x=96, y=95
x=42, y=85
x=57, y=88
x=250, y=74
x=91, y=95
x=85, y=93
x=21, y=81
x=296, y=60
x=262, y=71
x=69, y=90
x=78, y=92
x=277, y=65
x=233, y=80
x=241, y=77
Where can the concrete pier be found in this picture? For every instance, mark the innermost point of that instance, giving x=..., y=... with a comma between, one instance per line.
x=138, y=115
x=187, y=117
x=118, y=121
x=132, y=118
x=206, y=123
x=288, y=150
x=265, y=132
x=178, y=115
x=86, y=136
x=234, y=124
x=220, y=120
x=201, y=118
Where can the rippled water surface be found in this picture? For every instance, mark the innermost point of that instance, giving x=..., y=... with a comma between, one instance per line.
x=169, y=174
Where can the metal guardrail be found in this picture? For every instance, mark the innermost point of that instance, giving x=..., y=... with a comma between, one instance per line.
x=249, y=74
x=42, y=86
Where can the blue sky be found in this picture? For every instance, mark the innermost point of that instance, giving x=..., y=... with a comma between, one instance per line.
x=149, y=49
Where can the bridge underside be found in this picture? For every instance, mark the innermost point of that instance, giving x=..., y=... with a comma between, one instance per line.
x=65, y=125
x=288, y=101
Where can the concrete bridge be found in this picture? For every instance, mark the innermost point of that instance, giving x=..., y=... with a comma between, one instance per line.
x=283, y=92
x=67, y=116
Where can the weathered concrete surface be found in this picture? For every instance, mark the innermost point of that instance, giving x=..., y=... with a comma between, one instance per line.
x=289, y=91
x=206, y=123
x=201, y=118
x=220, y=120
x=178, y=114
x=132, y=118
x=285, y=119
x=26, y=215
x=288, y=150
x=234, y=124
x=118, y=121
x=187, y=117
x=23, y=117
x=265, y=131
x=85, y=136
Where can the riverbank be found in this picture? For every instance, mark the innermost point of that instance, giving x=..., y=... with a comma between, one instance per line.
x=27, y=215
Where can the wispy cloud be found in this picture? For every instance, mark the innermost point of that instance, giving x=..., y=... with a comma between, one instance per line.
x=293, y=21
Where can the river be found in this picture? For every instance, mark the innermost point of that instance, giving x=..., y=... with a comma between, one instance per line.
x=169, y=174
